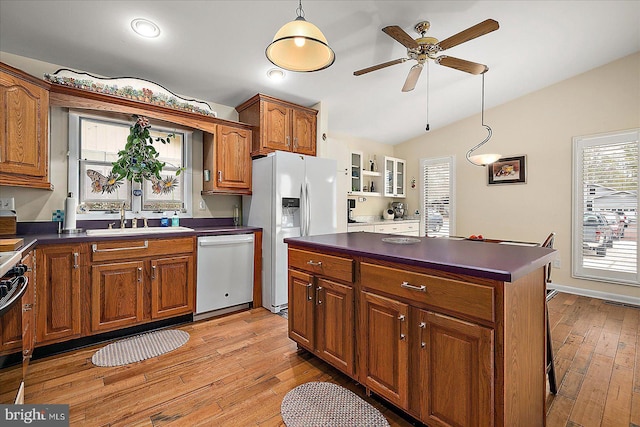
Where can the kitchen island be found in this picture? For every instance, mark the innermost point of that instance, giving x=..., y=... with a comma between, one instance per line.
x=449, y=330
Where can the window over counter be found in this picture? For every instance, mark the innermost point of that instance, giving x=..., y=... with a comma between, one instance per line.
x=605, y=206
x=94, y=143
x=438, y=196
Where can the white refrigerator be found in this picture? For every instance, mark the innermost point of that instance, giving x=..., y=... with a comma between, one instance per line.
x=292, y=195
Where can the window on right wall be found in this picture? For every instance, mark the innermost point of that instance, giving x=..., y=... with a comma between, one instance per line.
x=605, y=207
x=438, y=196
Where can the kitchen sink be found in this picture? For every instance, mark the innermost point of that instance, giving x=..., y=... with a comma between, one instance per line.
x=140, y=230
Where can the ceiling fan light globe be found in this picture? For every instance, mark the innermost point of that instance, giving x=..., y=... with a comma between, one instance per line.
x=300, y=46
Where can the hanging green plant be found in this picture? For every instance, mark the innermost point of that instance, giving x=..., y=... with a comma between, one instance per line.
x=139, y=159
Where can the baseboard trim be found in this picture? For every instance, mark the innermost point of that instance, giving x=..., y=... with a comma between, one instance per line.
x=624, y=299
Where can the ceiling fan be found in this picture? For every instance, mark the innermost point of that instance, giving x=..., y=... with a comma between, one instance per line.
x=424, y=48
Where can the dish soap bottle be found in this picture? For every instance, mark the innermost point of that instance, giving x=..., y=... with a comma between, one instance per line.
x=175, y=219
x=164, y=221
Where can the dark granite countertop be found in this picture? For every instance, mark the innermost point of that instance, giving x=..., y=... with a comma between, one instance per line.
x=44, y=234
x=490, y=260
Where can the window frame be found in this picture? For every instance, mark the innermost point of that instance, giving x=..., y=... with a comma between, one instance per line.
x=451, y=161
x=578, y=270
x=135, y=204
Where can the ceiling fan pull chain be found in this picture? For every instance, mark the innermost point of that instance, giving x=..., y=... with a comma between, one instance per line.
x=428, y=74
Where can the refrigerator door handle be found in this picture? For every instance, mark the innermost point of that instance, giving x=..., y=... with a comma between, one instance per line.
x=303, y=212
x=307, y=209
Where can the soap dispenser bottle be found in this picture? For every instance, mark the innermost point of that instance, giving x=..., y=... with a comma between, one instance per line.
x=175, y=219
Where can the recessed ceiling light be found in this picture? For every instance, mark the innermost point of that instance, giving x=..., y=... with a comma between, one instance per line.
x=275, y=74
x=145, y=28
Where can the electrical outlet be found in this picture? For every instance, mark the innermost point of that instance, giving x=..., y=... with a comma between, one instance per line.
x=203, y=207
x=556, y=263
x=7, y=204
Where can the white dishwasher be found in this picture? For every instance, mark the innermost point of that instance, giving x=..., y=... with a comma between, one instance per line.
x=225, y=273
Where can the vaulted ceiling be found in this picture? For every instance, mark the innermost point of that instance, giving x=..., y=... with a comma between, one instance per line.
x=214, y=50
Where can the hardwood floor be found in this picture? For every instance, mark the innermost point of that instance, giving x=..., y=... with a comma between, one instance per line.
x=235, y=370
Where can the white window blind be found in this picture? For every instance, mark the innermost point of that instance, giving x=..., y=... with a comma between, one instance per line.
x=438, y=197
x=605, y=199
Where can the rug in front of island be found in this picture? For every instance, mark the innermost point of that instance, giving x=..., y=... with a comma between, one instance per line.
x=322, y=404
x=140, y=347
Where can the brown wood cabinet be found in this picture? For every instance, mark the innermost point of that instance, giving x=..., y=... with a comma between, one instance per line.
x=384, y=367
x=58, y=302
x=172, y=286
x=449, y=349
x=117, y=295
x=226, y=155
x=141, y=280
x=280, y=125
x=321, y=309
x=24, y=127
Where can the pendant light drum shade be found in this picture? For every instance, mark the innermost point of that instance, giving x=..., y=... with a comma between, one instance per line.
x=300, y=46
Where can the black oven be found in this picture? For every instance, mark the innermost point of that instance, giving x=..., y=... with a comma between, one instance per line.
x=14, y=289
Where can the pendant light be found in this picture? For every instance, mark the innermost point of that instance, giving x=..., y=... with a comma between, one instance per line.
x=482, y=159
x=300, y=46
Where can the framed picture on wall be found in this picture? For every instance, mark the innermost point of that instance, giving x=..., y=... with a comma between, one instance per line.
x=508, y=170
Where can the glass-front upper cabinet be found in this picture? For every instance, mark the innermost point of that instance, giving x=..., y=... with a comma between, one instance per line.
x=394, y=177
x=356, y=171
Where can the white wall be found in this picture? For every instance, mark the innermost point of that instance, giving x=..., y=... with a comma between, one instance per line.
x=540, y=125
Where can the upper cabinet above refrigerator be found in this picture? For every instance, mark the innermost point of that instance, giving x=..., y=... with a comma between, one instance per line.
x=280, y=125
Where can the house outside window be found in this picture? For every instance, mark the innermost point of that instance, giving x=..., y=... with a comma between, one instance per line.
x=438, y=196
x=605, y=207
x=94, y=142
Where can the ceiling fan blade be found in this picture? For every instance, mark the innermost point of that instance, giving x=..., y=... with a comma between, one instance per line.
x=379, y=66
x=469, y=34
x=401, y=36
x=412, y=78
x=462, y=65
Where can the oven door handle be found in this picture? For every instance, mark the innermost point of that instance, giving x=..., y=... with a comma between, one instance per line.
x=16, y=296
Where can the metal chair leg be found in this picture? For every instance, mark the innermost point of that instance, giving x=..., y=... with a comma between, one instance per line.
x=551, y=368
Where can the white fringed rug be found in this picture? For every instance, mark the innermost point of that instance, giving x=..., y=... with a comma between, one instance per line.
x=322, y=404
x=140, y=347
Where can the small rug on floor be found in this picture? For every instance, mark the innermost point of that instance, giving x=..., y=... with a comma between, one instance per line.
x=322, y=404
x=140, y=347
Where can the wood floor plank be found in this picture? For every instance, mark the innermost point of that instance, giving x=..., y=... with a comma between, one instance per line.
x=617, y=409
x=559, y=411
x=589, y=406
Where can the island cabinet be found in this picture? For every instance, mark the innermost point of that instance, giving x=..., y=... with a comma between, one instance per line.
x=280, y=125
x=321, y=306
x=24, y=127
x=227, y=160
x=136, y=281
x=451, y=338
x=59, y=269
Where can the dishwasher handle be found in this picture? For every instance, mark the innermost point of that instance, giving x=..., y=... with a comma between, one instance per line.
x=230, y=240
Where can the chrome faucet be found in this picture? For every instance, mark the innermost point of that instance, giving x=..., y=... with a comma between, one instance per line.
x=123, y=221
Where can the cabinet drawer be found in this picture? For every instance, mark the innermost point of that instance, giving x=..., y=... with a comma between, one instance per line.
x=110, y=250
x=397, y=227
x=357, y=228
x=452, y=295
x=321, y=264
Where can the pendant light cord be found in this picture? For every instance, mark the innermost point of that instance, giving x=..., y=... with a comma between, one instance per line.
x=299, y=10
x=489, y=131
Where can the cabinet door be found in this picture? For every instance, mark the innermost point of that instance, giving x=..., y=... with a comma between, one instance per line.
x=400, y=179
x=233, y=158
x=384, y=367
x=356, y=171
x=11, y=330
x=276, y=127
x=336, y=326
x=23, y=133
x=172, y=286
x=58, y=292
x=304, y=132
x=301, y=309
x=455, y=371
x=117, y=295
